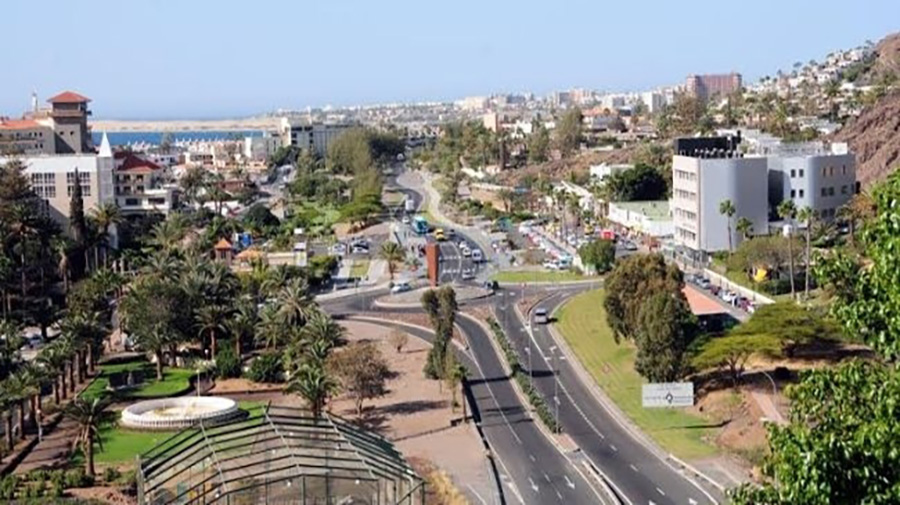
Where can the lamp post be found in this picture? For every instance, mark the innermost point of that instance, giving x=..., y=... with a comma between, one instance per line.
x=555, y=386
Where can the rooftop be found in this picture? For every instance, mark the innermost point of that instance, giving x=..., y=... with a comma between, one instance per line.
x=135, y=164
x=655, y=210
x=68, y=97
x=18, y=124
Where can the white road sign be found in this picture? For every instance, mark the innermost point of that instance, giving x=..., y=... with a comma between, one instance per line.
x=668, y=394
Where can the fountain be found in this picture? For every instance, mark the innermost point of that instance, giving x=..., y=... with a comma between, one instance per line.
x=178, y=413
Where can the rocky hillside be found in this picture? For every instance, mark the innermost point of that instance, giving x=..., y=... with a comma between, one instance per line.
x=875, y=138
x=888, y=59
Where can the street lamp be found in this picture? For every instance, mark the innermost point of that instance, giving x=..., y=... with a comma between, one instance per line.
x=555, y=386
x=530, y=366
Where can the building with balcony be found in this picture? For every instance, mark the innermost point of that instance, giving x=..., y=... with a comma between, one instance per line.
x=140, y=186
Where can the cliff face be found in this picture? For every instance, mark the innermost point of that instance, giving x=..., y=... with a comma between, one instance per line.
x=875, y=138
x=888, y=60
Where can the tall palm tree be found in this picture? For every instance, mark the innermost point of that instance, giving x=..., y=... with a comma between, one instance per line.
x=394, y=254
x=62, y=248
x=242, y=323
x=269, y=329
x=314, y=385
x=169, y=233
x=295, y=304
x=806, y=215
x=155, y=341
x=787, y=211
x=36, y=377
x=211, y=320
x=107, y=215
x=726, y=208
x=744, y=227
x=88, y=415
x=52, y=360
x=8, y=403
x=321, y=326
x=17, y=390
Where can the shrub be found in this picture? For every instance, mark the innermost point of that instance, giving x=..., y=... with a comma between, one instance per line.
x=227, y=364
x=77, y=478
x=266, y=368
x=8, y=487
x=111, y=474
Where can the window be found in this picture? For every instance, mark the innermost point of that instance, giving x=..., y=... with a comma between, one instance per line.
x=801, y=193
x=801, y=172
x=824, y=171
x=831, y=191
x=793, y=193
x=44, y=185
x=132, y=202
x=844, y=169
x=156, y=201
x=844, y=189
x=824, y=191
x=84, y=180
x=793, y=173
x=830, y=171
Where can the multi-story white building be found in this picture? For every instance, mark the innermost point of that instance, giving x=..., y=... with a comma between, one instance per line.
x=306, y=135
x=260, y=148
x=706, y=172
x=654, y=101
x=140, y=186
x=815, y=175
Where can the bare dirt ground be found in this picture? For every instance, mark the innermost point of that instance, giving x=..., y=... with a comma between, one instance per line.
x=105, y=494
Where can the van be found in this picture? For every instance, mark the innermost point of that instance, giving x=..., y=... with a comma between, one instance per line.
x=540, y=316
x=477, y=256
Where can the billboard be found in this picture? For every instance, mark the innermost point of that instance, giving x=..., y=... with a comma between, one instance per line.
x=667, y=395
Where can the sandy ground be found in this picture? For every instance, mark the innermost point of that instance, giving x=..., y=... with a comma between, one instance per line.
x=115, y=125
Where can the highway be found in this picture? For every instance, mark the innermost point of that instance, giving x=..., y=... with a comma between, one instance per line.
x=638, y=475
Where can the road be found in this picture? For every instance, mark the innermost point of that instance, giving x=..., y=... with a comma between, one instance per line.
x=532, y=469
x=638, y=475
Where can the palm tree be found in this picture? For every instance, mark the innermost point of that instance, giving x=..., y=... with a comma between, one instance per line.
x=787, y=211
x=744, y=227
x=726, y=208
x=17, y=390
x=7, y=404
x=295, y=304
x=62, y=248
x=860, y=208
x=806, y=215
x=211, y=320
x=394, y=254
x=169, y=233
x=52, y=360
x=314, y=385
x=36, y=377
x=107, y=215
x=88, y=415
x=242, y=323
x=269, y=330
x=321, y=326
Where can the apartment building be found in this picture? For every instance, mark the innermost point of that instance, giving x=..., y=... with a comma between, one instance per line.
x=708, y=86
x=140, y=186
x=60, y=129
x=705, y=172
x=260, y=148
x=307, y=135
x=816, y=175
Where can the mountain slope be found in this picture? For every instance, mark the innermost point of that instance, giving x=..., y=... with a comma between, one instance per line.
x=875, y=138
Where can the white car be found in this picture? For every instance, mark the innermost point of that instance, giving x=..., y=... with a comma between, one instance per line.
x=339, y=249
x=405, y=220
x=477, y=256
x=400, y=287
x=466, y=252
x=551, y=265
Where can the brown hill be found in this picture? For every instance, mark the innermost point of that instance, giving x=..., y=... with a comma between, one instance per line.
x=875, y=138
x=888, y=59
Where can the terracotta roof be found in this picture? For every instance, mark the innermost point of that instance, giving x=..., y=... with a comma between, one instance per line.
x=701, y=305
x=135, y=164
x=68, y=97
x=222, y=245
x=18, y=124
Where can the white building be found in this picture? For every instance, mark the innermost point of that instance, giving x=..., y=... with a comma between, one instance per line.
x=815, y=175
x=651, y=218
x=306, y=135
x=654, y=101
x=707, y=171
x=599, y=173
x=141, y=187
x=260, y=148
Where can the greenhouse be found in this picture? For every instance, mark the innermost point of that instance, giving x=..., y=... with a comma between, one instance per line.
x=281, y=456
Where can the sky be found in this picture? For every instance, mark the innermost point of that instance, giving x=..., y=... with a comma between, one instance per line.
x=194, y=59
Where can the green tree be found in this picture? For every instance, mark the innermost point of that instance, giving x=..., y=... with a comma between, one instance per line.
x=88, y=416
x=788, y=211
x=726, y=208
x=393, y=254
x=666, y=327
x=807, y=216
x=569, y=132
x=350, y=153
x=211, y=320
x=538, y=143
x=744, y=227
x=107, y=215
x=313, y=383
x=634, y=280
x=600, y=254
x=642, y=182
x=441, y=307
x=363, y=372
x=732, y=352
x=77, y=222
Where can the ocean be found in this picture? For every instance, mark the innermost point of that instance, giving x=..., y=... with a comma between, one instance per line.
x=154, y=137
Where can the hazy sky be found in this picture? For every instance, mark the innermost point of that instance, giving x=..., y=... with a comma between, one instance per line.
x=204, y=58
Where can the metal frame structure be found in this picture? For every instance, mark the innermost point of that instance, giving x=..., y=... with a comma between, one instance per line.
x=282, y=456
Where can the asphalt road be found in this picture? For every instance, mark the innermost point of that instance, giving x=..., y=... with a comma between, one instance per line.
x=532, y=470
x=638, y=475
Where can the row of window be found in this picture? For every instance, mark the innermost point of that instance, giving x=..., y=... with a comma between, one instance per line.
x=685, y=234
x=794, y=173
x=829, y=171
x=795, y=193
x=686, y=214
x=686, y=176
x=827, y=213
x=685, y=195
x=829, y=191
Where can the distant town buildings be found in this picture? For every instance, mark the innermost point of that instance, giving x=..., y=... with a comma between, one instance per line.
x=708, y=86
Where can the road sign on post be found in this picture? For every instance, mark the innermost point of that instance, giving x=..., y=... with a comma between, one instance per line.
x=667, y=395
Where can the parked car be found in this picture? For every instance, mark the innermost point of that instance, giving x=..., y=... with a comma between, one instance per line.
x=339, y=249
x=466, y=252
x=400, y=287
x=704, y=283
x=629, y=246
x=477, y=256
x=405, y=220
x=551, y=265
x=468, y=274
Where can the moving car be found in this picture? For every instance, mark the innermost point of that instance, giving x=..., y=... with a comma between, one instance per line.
x=477, y=256
x=466, y=252
x=400, y=287
x=439, y=235
x=405, y=220
x=540, y=316
x=468, y=274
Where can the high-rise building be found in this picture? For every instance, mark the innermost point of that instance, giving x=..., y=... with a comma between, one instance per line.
x=708, y=86
x=705, y=172
x=307, y=135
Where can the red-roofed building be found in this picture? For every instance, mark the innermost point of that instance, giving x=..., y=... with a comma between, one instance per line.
x=140, y=185
x=70, y=112
x=68, y=97
x=26, y=136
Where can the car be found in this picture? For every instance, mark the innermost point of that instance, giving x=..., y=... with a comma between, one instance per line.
x=339, y=249
x=359, y=249
x=703, y=282
x=551, y=265
x=405, y=220
x=451, y=232
x=492, y=285
x=466, y=252
x=477, y=256
x=541, y=316
x=468, y=274
x=729, y=297
x=463, y=244
x=400, y=287
x=439, y=235
x=629, y=246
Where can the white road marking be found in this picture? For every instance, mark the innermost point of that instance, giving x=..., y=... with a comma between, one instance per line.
x=558, y=495
x=692, y=501
x=532, y=457
x=534, y=486
x=570, y=483
x=546, y=477
x=660, y=491
x=613, y=448
x=633, y=467
x=472, y=489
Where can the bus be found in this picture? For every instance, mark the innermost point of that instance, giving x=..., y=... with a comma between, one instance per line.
x=420, y=225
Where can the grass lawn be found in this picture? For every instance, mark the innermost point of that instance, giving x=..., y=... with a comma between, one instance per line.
x=582, y=323
x=175, y=380
x=122, y=445
x=359, y=269
x=540, y=276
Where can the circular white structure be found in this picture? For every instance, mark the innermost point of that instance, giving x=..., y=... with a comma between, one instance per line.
x=177, y=413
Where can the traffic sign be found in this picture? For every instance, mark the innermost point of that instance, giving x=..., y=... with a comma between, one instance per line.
x=667, y=394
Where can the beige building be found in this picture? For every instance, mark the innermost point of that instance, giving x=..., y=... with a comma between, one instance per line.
x=140, y=186
x=61, y=129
